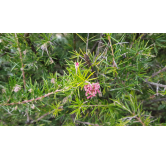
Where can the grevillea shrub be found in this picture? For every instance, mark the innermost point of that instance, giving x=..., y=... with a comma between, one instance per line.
x=55, y=79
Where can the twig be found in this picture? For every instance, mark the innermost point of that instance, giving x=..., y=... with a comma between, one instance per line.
x=131, y=44
x=111, y=46
x=153, y=75
x=74, y=40
x=142, y=35
x=86, y=55
x=22, y=69
x=99, y=44
x=155, y=100
x=130, y=118
x=42, y=116
x=114, y=63
x=87, y=43
x=65, y=100
x=103, y=55
x=155, y=84
x=153, y=120
x=94, y=47
x=7, y=110
x=87, y=123
x=121, y=43
x=139, y=119
x=27, y=115
x=88, y=61
x=93, y=105
x=39, y=98
x=3, y=54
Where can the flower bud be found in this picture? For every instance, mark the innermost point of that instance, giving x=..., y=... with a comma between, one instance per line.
x=76, y=66
x=53, y=80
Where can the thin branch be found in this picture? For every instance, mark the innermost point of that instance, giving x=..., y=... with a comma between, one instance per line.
x=31, y=100
x=162, y=70
x=99, y=44
x=111, y=46
x=156, y=84
x=42, y=116
x=121, y=43
x=114, y=63
x=155, y=74
x=88, y=61
x=74, y=40
x=94, y=105
x=63, y=102
x=27, y=115
x=153, y=120
x=131, y=44
x=7, y=110
x=155, y=100
x=142, y=35
x=103, y=55
x=139, y=119
x=87, y=43
x=86, y=55
x=3, y=54
x=130, y=118
x=94, y=47
x=87, y=123
x=22, y=69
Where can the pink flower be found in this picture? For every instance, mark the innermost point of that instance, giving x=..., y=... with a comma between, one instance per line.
x=33, y=106
x=53, y=80
x=24, y=52
x=30, y=90
x=76, y=66
x=92, y=90
x=16, y=88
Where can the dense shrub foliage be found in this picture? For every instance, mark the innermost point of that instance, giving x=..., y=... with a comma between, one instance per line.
x=82, y=79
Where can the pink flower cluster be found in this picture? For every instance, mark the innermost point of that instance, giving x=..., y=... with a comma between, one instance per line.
x=92, y=89
x=17, y=88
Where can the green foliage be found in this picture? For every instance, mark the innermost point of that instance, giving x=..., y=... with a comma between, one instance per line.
x=54, y=90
